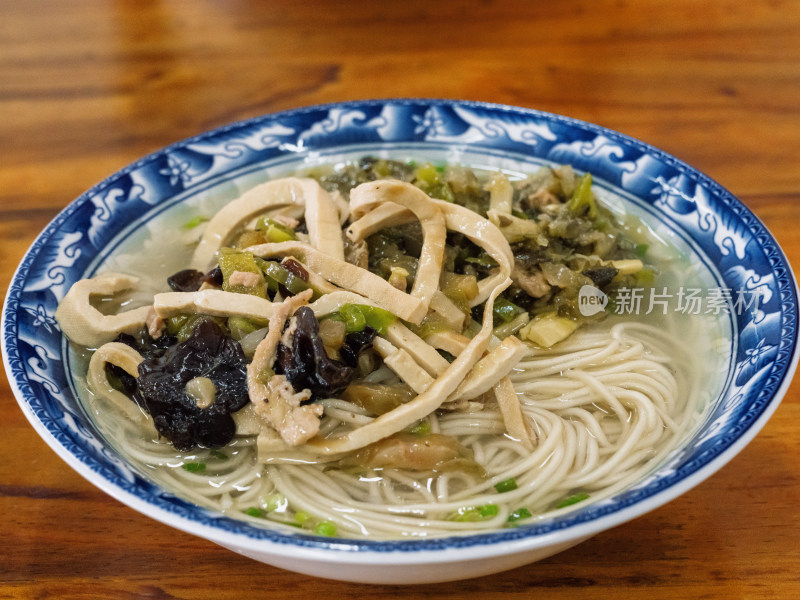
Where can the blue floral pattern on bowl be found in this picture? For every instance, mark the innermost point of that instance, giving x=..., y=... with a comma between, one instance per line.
x=721, y=228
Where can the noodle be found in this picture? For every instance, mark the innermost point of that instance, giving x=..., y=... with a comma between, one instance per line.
x=602, y=420
x=527, y=430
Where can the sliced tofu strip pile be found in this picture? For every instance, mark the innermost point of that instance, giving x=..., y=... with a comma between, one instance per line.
x=281, y=418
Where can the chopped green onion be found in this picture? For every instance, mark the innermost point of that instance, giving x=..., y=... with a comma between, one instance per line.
x=218, y=455
x=254, y=512
x=276, y=502
x=506, y=486
x=278, y=274
x=302, y=517
x=358, y=316
x=471, y=514
x=421, y=428
x=194, y=222
x=194, y=467
x=641, y=250
x=326, y=528
x=354, y=319
x=520, y=513
x=574, y=499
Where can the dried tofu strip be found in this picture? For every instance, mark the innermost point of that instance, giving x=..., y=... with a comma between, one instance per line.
x=269, y=442
x=449, y=341
x=215, y=303
x=491, y=368
x=403, y=365
x=342, y=207
x=514, y=229
x=425, y=354
x=422, y=405
x=510, y=409
x=387, y=214
x=457, y=218
x=128, y=359
x=247, y=421
x=452, y=316
x=349, y=277
x=483, y=233
x=330, y=303
x=321, y=217
x=434, y=233
x=86, y=326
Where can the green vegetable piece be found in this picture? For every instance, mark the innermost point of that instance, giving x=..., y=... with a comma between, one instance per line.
x=244, y=262
x=505, y=310
x=427, y=174
x=641, y=250
x=250, y=238
x=358, y=316
x=461, y=289
x=187, y=326
x=325, y=528
x=278, y=274
x=254, y=512
x=175, y=323
x=264, y=375
x=241, y=326
x=421, y=428
x=645, y=277
x=194, y=467
x=194, y=222
x=218, y=455
x=472, y=514
x=354, y=319
x=277, y=235
x=429, y=179
x=548, y=329
x=483, y=260
x=582, y=201
x=520, y=513
x=574, y=499
x=275, y=503
x=301, y=517
x=275, y=231
x=506, y=486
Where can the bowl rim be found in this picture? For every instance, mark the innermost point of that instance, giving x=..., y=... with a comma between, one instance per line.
x=505, y=541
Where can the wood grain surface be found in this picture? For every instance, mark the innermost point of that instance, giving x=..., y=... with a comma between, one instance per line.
x=88, y=86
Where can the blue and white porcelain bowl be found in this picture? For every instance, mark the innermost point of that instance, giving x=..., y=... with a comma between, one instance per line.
x=714, y=226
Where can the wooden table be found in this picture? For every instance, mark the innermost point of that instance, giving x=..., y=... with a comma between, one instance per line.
x=88, y=86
